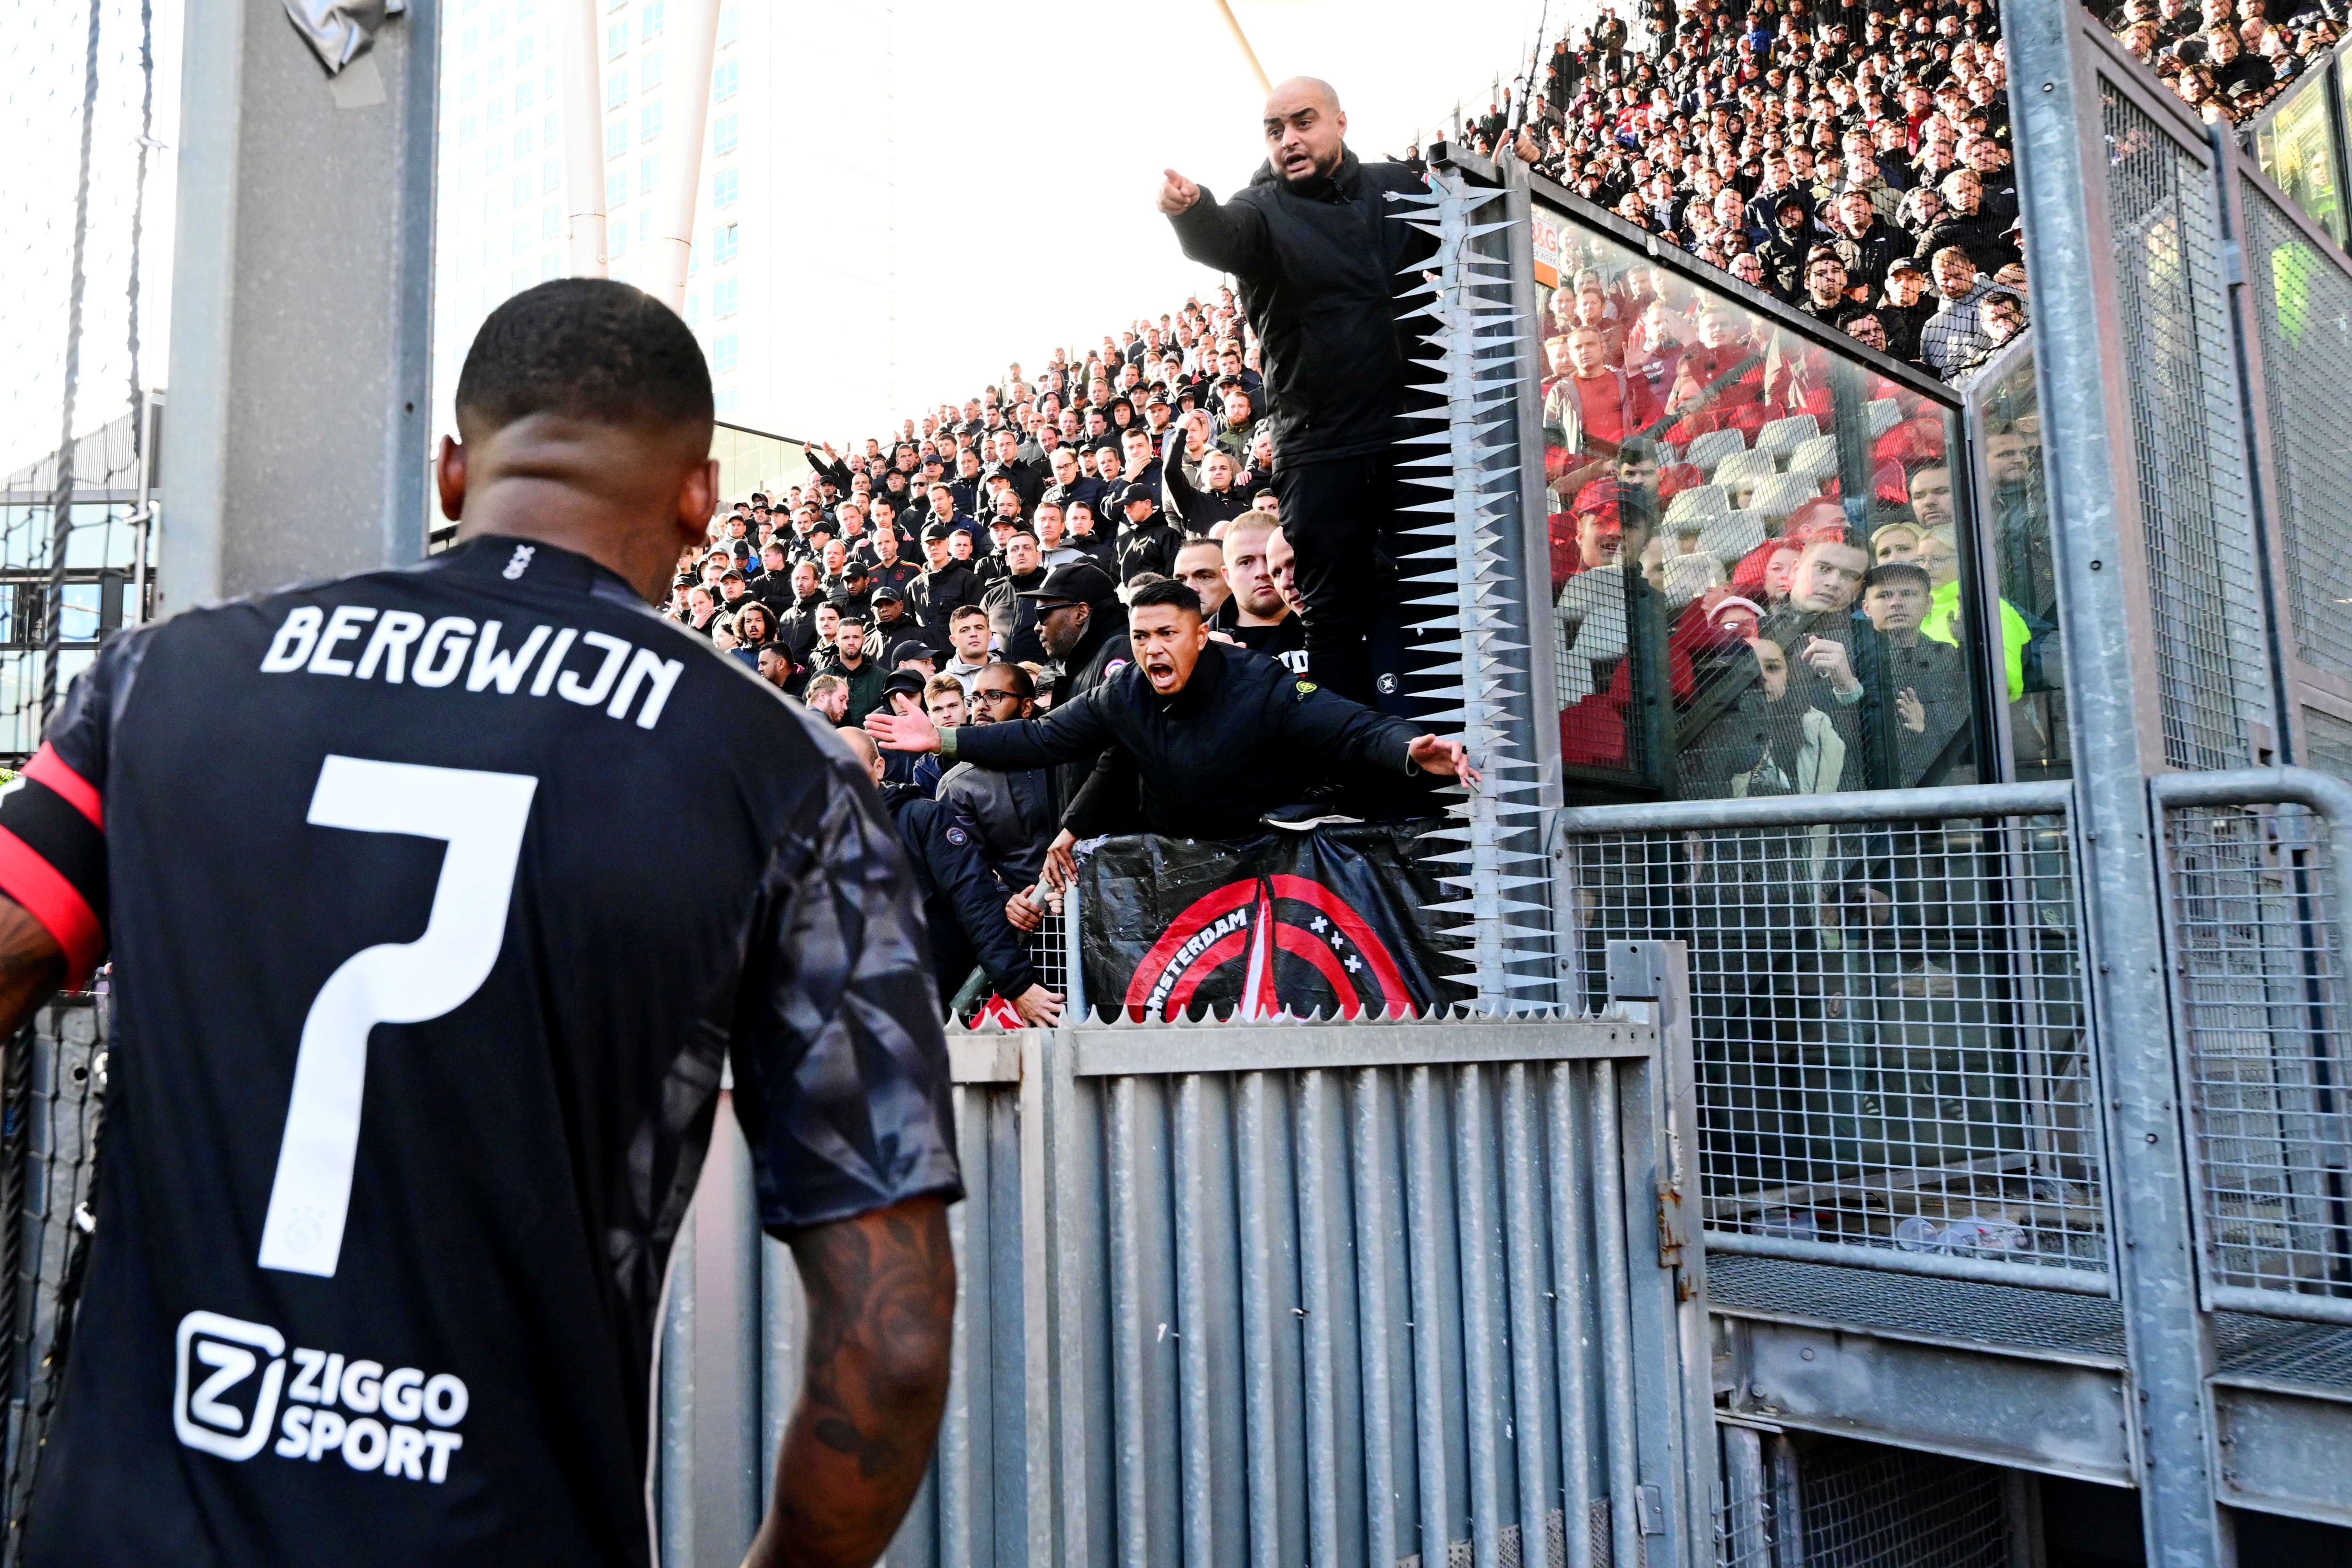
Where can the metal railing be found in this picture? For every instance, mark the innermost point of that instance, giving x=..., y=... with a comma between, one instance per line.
x=1893, y=1063
x=1272, y=1293
x=2255, y=892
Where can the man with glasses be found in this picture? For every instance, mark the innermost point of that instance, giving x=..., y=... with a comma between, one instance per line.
x=1013, y=809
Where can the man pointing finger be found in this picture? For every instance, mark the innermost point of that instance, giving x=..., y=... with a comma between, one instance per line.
x=1316, y=249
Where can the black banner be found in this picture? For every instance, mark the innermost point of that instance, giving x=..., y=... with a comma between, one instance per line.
x=1331, y=917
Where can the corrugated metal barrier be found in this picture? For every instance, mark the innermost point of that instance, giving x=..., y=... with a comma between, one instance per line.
x=1416, y=1291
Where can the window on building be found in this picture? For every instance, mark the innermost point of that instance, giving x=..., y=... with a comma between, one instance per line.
x=520, y=240
x=648, y=170
x=551, y=223
x=723, y=132
x=499, y=22
x=727, y=26
x=723, y=81
x=611, y=6
x=649, y=122
x=617, y=90
x=723, y=188
x=494, y=115
x=494, y=159
x=694, y=308
x=616, y=237
x=617, y=190
x=523, y=190
x=723, y=295
x=523, y=144
x=723, y=352
x=550, y=175
x=549, y=267
x=468, y=84
x=644, y=225
x=470, y=40
x=649, y=21
x=616, y=40
x=617, y=139
x=465, y=130
x=498, y=70
x=522, y=98
x=727, y=402
x=722, y=244
x=526, y=50
x=549, y=127
x=649, y=72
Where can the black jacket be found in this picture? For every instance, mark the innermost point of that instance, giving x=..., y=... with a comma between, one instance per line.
x=1317, y=265
x=962, y=903
x=1012, y=619
x=934, y=596
x=1151, y=547
x=1243, y=737
x=1200, y=510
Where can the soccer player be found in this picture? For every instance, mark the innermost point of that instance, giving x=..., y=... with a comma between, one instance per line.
x=438, y=899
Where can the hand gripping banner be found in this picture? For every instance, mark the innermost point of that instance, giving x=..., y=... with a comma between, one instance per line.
x=1331, y=921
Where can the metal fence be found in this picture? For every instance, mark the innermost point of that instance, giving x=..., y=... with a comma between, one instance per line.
x=1827, y=1503
x=1893, y=1059
x=52, y=1101
x=2188, y=438
x=2256, y=894
x=1284, y=1293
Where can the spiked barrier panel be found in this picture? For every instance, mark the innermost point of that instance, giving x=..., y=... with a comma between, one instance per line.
x=1457, y=562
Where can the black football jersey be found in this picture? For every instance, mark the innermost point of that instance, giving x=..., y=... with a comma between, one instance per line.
x=436, y=900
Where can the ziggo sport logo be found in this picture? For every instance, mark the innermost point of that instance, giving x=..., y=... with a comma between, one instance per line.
x=1250, y=921
x=228, y=1413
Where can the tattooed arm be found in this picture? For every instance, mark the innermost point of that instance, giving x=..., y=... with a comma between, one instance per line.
x=881, y=1290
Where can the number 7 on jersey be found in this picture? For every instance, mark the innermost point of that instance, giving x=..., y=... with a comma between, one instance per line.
x=481, y=817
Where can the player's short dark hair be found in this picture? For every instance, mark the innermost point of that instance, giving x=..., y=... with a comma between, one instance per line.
x=1167, y=591
x=585, y=348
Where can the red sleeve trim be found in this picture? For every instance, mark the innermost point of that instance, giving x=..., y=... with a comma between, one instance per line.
x=47, y=768
x=49, y=898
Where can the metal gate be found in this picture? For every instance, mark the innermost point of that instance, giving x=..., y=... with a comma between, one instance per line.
x=1413, y=1291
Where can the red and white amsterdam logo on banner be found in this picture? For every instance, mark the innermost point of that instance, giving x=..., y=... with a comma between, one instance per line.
x=1248, y=922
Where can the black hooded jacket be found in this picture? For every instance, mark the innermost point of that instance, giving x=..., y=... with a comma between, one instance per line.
x=1318, y=264
x=962, y=904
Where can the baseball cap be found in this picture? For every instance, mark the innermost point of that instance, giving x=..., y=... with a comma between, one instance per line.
x=1077, y=583
x=887, y=592
x=902, y=680
x=932, y=530
x=1901, y=264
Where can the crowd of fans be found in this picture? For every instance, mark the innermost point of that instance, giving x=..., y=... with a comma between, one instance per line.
x=2229, y=61
x=971, y=565
x=1853, y=161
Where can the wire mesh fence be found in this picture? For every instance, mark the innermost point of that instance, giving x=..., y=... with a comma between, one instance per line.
x=84, y=254
x=1830, y=1504
x=2303, y=314
x=2262, y=1001
x=2187, y=440
x=1891, y=1043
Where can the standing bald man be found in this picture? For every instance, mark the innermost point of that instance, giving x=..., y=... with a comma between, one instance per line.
x=1315, y=250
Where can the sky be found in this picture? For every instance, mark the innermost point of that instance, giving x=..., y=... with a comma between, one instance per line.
x=994, y=200
x=1024, y=214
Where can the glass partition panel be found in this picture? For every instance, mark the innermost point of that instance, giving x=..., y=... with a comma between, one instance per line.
x=2296, y=148
x=2017, y=521
x=754, y=460
x=1755, y=560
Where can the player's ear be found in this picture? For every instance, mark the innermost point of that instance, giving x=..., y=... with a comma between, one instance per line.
x=450, y=477
x=698, y=497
